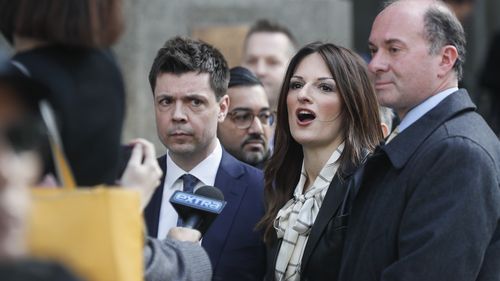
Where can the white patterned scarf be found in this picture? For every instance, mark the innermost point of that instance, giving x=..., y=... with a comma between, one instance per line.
x=294, y=221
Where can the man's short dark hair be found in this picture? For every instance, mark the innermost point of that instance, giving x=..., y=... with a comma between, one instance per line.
x=180, y=55
x=264, y=25
x=240, y=76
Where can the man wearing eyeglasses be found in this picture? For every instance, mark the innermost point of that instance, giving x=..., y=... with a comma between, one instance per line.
x=248, y=128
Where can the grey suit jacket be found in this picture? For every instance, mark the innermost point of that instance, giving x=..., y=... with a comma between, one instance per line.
x=428, y=207
x=168, y=259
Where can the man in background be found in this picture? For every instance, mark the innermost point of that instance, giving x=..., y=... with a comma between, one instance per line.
x=267, y=50
x=247, y=129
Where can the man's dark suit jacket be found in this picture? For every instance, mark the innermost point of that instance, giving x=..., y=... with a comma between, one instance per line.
x=428, y=207
x=235, y=249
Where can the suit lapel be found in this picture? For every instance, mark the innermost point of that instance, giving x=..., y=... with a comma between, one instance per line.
x=328, y=210
x=227, y=180
x=152, y=211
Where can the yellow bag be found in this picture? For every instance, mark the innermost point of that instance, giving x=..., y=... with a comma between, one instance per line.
x=96, y=232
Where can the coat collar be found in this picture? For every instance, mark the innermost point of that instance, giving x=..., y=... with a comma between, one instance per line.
x=401, y=148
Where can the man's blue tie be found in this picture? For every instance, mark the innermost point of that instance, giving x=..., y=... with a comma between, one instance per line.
x=188, y=183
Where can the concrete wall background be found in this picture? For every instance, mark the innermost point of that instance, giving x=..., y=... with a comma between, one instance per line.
x=150, y=23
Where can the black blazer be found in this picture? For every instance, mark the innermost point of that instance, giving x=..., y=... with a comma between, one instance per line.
x=323, y=251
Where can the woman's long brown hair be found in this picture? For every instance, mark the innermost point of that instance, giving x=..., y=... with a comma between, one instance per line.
x=361, y=126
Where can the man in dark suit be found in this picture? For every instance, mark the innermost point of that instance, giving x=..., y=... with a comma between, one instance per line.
x=428, y=207
x=189, y=80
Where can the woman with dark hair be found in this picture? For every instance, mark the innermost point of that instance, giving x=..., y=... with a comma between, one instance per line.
x=327, y=123
x=64, y=44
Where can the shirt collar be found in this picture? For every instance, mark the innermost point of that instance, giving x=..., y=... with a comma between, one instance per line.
x=325, y=175
x=418, y=111
x=403, y=147
x=205, y=171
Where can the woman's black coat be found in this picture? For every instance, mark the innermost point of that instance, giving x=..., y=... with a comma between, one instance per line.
x=323, y=251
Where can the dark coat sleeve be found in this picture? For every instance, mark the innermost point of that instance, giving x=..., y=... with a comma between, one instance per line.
x=451, y=217
x=169, y=259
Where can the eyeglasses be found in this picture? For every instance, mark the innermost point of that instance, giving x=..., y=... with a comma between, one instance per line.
x=243, y=119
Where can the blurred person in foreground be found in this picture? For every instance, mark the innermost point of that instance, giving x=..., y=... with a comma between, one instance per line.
x=189, y=81
x=428, y=207
x=247, y=129
x=327, y=123
x=65, y=46
x=21, y=143
x=267, y=49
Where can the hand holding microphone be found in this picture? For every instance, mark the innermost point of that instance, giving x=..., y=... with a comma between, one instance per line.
x=184, y=234
x=198, y=210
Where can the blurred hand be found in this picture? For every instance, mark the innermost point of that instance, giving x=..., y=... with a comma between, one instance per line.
x=18, y=172
x=142, y=172
x=184, y=234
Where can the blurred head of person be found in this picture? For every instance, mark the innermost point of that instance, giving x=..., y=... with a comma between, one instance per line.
x=268, y=48
x=327, y=98
x=247, y=129
x=189, y=80
x=84, y=23
x=21, y=139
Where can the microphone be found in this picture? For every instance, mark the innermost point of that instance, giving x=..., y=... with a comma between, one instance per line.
x=199, y=209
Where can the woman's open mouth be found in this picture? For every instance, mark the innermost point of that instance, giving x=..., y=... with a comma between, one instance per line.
x=305, y=116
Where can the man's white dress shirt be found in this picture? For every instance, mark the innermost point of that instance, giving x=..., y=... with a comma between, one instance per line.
x=205, y=171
